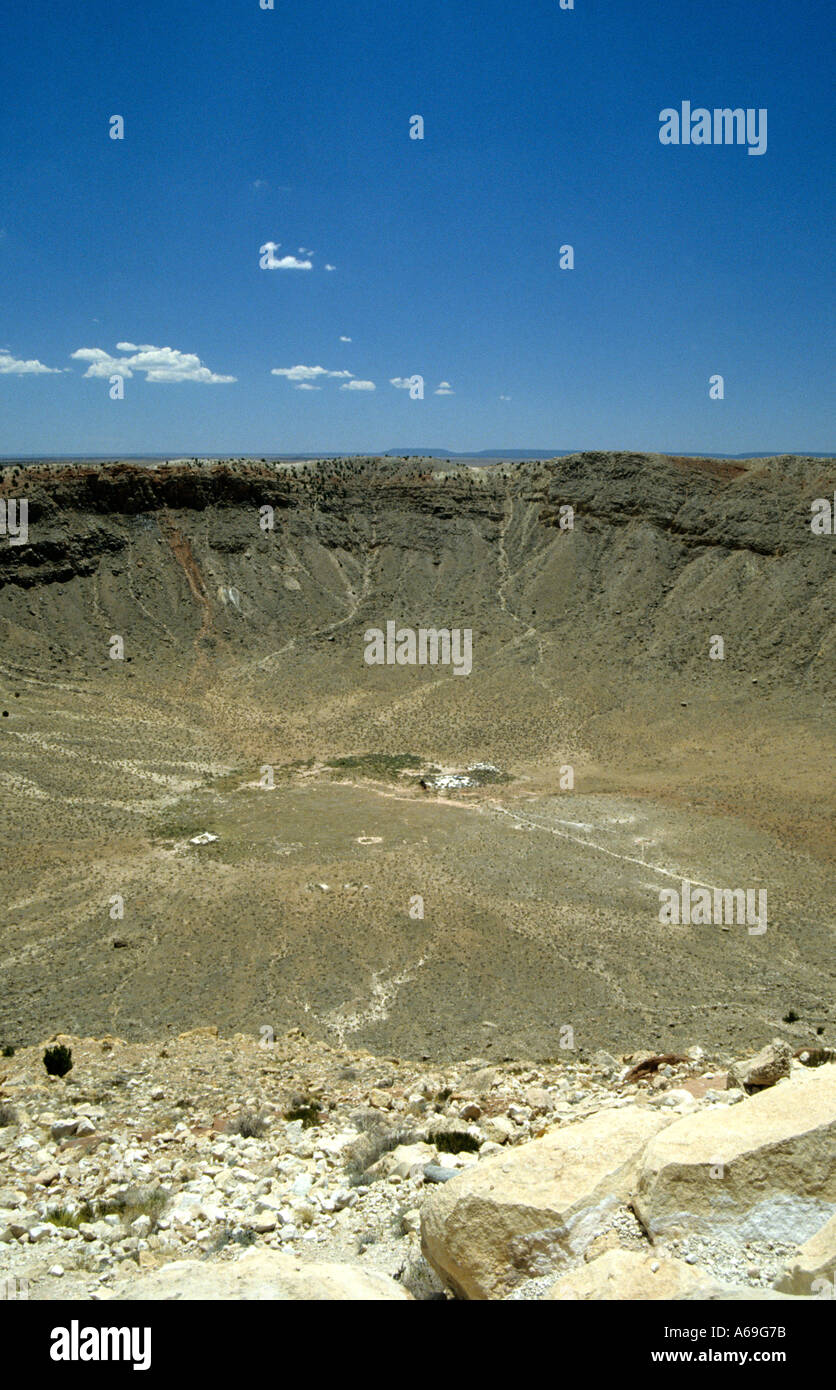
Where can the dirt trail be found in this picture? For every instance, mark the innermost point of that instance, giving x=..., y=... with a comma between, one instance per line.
x=602, y=849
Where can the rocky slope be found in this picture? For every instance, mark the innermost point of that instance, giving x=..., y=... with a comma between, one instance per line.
x=220, y=1168
x=659, y=543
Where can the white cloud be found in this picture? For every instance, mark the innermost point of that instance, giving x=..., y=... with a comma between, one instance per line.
x=358, y=386
x=303, y=252
x=444, y=389
x=304, y=373
x=267, y=254
x=13, y=366
x=159, y=364
x=345, y=340
x=306, y=386
x=505, y=398
x=402, y=382
x=260, y=183
x=330, y=267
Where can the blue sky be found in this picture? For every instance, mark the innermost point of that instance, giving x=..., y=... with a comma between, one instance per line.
x=245, y=126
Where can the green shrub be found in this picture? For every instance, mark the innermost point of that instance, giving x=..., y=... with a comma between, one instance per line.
x=228, y=1235
x=248, y=1125
x=387, y=766
x=71, y=1218
x=145, y=1200
x=377, y=1139
x=455, y=1142
x=306, y=1109
x=58, y=1060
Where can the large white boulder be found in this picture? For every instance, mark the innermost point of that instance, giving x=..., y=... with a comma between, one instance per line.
x=527, y=1210
x=262, y=1275
x=763, y=1169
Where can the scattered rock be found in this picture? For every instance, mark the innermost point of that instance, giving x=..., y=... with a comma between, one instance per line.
x=771, y=1064
x=62, y=1129
x=538, y=1100
x=499, y=1129
x=149, y=1169
x=404, y=1161
x=433, y=1173
x=605, y=1062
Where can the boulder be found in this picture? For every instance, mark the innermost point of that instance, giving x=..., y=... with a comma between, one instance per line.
x=539, y=1100
x=526, y=1210
x=499, y=1129
x=764, y=1169
x=629, y=1274
x=813, y=1268
x=771, y=1064
x=633, y=1275
x=47, y=1176
x=404, y=1161
x=483, y=1081
x=262, y=1275
x=605, y=1062
x=64, y=1129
